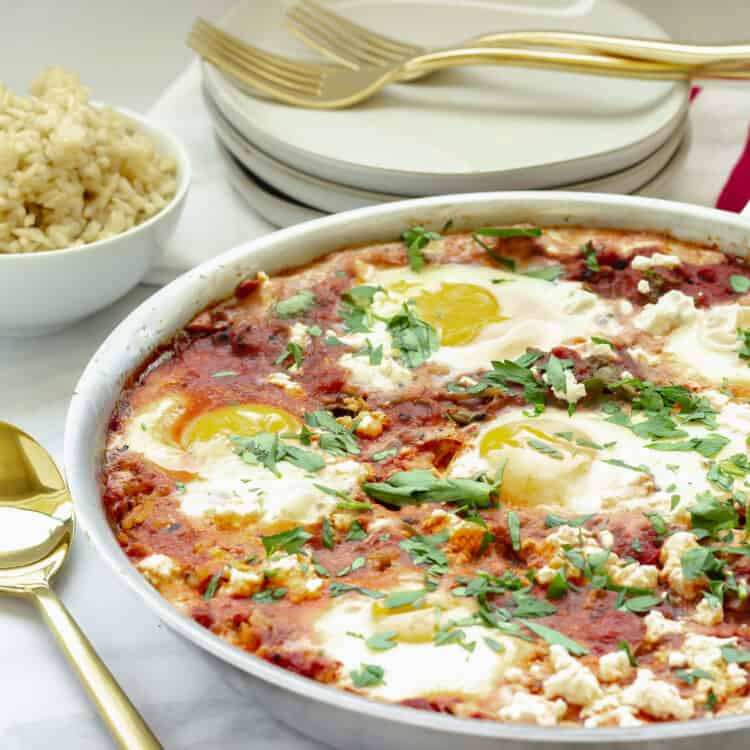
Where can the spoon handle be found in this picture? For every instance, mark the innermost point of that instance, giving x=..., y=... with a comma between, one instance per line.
x=119, y=714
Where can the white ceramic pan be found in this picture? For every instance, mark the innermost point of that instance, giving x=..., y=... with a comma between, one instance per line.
x=344, y=720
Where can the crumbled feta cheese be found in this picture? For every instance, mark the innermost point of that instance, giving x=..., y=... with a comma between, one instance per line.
x=704, y=652
x=636, y=576
x=282, y=380
x=671, y=554
x=242, y=583
x=709, y=612
x=642, y=357
x=656, y=698
x=674, y=309
x=644, y=287
x=158, y=569
x=533, y=709
x=298, y=334
x=614, y=666
x=647, y=262
x=606, y=539
x=658, y=626
x=572, y=681
x=608, y=711
x=296, y=573
x=574, y=391
x=676, y=660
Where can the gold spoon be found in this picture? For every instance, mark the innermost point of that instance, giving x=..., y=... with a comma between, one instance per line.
x=36, y=530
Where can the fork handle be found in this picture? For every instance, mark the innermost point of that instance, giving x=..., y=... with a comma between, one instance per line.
x=119, y=714
x=571, y=61
x=642, y=49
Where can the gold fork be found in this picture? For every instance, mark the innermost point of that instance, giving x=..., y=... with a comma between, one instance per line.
x=319, y=87
x=352, y=45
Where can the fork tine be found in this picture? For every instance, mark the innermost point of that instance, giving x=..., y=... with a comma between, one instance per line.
x=329, y=41
x=251, y=73
x=355, y=45
x=398, y=50
x=261, y=67
x=300, y=70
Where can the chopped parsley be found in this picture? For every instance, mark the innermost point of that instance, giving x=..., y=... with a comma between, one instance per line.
x=507, y=232
x=334, y=438
x=327, y=534
x=292, y=350
x=267, y=449
x=422, y=486
x=413, y=337
x=269, y=596
x=382, y=641
x=355, y=308
x=553, y=521
x=589, y=255
x=691, y=676
x=417, y=238
x=547, y=273
x=555, y=638
x=213, y=584
x=399, y=599
x=514, y=529
x=225, y=374
x=743, y=336
x=368, y=675
x=545, y=448
x=739, y=284
x=425, y=550
x=356, y=533
x=382, y=455
x=600, y=340
x=626, y=647
x=496, y=646
x=291, y=541
x=296, y=305
x=735, y=655
x=338, y=588
x=373, y=353
x=709, y=516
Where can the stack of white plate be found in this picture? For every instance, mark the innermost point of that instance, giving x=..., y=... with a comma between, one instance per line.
x=464, y=130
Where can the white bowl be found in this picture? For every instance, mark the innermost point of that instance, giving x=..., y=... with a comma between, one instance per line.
x=45, y=291
x=334, y=716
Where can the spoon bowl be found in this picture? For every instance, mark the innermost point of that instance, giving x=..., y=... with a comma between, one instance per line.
x=36, y=532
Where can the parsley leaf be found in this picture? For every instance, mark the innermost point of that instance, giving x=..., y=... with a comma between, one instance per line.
x=735, y=655
x=701, y=561
x=555, y=638
x=425, y=550
x=355, y=306
x=529, y=606
x=213, y=584
x=224, y=374
x=382, y=641
x=640, y=604
x=337, y=588
x=327, y=534
x=691, y=676
x=292, y=350
x=507, y=232
x=369, y=675
x=382, y=455
x=269, y=596
x=545, y=448
x=413, y=337
x=553, y=521
x=711, y=515
x=514, y=528
x=399, y=599
x=356, y=533
x=739, y=284
x=290, y=541
x=266, y=449
x=417, y=238
x=547, y=273
x=335, y=438
x=296, y=305
x=590, y=259
x=421, y=486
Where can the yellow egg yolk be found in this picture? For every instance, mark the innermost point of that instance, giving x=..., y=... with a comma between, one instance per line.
x=551, y=432
x=545, y=459
x=459, y=311
x=244, y=419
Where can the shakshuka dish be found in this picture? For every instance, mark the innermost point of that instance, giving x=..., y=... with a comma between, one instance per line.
x=502, y=475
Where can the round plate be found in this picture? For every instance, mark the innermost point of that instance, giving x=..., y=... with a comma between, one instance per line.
x=332, y=197
x=278, y=209
x=466, y=129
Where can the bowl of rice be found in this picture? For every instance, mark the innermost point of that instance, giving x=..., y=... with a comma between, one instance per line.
x=88, y=197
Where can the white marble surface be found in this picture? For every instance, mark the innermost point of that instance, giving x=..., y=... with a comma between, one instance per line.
x=133, y=50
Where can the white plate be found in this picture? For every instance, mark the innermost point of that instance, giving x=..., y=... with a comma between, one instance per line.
x=283, y=211
x=332, y=197
x=278, y=209
x=467, y=129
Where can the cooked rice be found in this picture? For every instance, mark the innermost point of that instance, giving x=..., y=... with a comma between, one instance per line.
x=71, y=173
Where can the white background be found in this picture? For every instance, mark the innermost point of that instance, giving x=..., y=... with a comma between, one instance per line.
x=130, y=51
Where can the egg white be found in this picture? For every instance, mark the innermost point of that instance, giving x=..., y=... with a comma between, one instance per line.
x=537, y=313
x=227, y=485
x=581, y=481
x=410, y=667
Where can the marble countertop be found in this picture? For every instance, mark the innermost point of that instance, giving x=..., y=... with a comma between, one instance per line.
x=181, y=692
